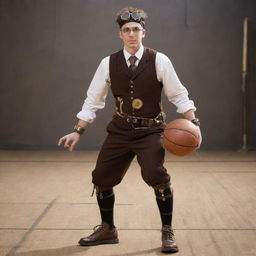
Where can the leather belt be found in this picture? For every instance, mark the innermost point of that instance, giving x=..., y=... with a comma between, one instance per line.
x=141, y=122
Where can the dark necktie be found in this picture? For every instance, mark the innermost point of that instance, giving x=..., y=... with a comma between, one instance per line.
x=132, y=60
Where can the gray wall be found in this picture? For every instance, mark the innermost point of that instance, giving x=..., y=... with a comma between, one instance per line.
x=50, y=50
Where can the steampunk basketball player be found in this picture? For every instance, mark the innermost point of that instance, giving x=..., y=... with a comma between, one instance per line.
x=136, y=76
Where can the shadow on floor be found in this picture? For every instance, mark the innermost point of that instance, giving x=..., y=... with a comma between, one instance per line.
x=70, y=250
x=157, y=251
x=64, y=251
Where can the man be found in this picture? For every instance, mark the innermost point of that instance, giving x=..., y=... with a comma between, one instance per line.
x=136, y=76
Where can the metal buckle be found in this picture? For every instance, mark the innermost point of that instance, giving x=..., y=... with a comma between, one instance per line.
x=134, y=120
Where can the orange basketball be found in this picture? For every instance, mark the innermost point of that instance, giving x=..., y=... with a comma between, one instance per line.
x=181, y=137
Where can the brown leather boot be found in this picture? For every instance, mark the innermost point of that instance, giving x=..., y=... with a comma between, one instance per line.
x=168, y=240
x=102, y=235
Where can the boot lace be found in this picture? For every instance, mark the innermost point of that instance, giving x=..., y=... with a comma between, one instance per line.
x=97, y=229
x=168, y=233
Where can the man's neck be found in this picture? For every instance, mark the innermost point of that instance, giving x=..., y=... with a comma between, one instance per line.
x=132, y=51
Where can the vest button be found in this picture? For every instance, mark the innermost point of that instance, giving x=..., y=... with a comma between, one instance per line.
x=131, y=91
x=131, y=98
x=131, y=82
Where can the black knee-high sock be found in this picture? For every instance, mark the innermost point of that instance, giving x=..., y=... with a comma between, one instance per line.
x=164, y=201
x=106, y=200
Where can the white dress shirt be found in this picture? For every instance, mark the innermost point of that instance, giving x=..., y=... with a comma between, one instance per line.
x=100, y=84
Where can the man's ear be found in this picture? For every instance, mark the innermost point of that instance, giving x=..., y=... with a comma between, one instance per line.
x=120, y=34
x=143, y=33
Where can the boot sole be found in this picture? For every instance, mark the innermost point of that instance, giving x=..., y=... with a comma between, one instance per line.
x=115, y=241
x=170, y=250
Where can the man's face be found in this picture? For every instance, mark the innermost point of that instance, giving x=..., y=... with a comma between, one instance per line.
x=132, y=33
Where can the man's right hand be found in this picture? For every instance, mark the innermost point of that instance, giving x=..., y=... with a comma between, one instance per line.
x=69, y=141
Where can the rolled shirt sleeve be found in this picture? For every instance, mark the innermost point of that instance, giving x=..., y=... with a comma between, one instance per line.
x=96, y=93
x=173, y=88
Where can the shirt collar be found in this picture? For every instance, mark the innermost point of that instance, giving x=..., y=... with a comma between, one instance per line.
x=138, y=54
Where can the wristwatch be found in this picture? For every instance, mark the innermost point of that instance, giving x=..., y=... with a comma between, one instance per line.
x=196, y=121
x=78, y=129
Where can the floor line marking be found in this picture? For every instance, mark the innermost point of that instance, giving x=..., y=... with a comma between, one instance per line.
x=136, y=229
x=32, y=228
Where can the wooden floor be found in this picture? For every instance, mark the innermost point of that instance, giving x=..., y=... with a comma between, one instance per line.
x=46, y=205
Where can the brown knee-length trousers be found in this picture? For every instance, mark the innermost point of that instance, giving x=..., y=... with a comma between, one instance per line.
x=120, y=147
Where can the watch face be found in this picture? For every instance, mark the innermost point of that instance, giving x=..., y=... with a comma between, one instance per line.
x=196, y=121
x=78, y=129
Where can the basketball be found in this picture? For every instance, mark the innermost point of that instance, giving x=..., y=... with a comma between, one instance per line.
x=181, y=137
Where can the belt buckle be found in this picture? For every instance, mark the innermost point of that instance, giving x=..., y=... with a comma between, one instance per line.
x=136, y=124
x=134, y=120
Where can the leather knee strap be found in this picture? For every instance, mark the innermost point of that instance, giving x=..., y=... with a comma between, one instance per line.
x=102, y=193
x=163, y=191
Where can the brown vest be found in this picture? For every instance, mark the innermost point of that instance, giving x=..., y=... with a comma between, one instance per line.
x=142, y=84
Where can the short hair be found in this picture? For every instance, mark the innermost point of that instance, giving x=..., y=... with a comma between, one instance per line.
x=143, y=14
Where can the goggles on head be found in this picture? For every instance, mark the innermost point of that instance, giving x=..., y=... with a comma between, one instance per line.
x=131, y=17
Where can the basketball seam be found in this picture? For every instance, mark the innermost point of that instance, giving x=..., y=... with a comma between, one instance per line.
x=177, y=143
x=181, y=130
x=180, y=144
